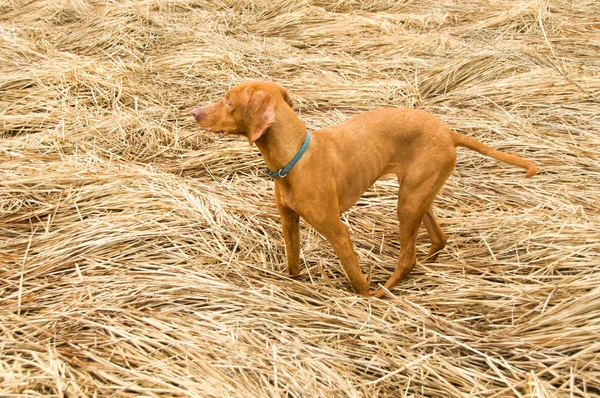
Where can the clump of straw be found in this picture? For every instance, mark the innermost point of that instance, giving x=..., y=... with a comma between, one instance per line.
x=141, y=256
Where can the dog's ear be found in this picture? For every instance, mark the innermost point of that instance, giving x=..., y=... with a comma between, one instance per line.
x=259, y=115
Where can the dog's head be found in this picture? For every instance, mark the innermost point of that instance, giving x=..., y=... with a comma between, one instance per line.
x=247, y=109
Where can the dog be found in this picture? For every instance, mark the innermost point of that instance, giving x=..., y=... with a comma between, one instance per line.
x=319, y=175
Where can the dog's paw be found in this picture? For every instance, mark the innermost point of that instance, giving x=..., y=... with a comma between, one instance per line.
x=379, y=293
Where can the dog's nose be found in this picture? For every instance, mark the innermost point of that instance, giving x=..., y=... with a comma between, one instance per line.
x=197, y=113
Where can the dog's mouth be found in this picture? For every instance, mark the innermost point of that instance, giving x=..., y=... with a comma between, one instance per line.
x=206, y=122
x=208, y=129
x=211, y=130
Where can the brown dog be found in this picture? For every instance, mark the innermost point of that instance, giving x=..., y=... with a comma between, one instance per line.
x=341, y=163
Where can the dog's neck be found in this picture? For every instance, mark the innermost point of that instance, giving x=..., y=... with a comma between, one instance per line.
x=282, y=141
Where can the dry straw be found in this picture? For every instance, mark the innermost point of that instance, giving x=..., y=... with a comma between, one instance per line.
x=140, y=256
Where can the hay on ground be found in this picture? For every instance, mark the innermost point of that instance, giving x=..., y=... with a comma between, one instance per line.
x=141, y=256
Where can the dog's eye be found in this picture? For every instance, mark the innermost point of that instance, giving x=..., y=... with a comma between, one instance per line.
x=227, y=103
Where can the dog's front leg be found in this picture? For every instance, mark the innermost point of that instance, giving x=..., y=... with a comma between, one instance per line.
x=290, y=221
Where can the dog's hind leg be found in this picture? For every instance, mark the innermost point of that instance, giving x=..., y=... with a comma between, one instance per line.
x=417, y=191
x=436, y=235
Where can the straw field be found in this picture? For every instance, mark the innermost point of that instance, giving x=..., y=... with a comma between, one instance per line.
x=141, y=256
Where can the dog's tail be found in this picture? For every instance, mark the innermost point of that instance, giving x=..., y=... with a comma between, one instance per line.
x=471, y=143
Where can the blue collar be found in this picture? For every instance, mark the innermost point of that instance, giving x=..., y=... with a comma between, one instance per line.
x=281, y=173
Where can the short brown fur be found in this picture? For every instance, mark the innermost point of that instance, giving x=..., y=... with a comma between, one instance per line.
x=342, y=162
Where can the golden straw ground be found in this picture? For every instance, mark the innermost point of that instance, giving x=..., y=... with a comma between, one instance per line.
x=140, y=256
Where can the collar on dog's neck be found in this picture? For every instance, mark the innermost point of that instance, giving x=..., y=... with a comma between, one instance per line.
x=281, y=173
